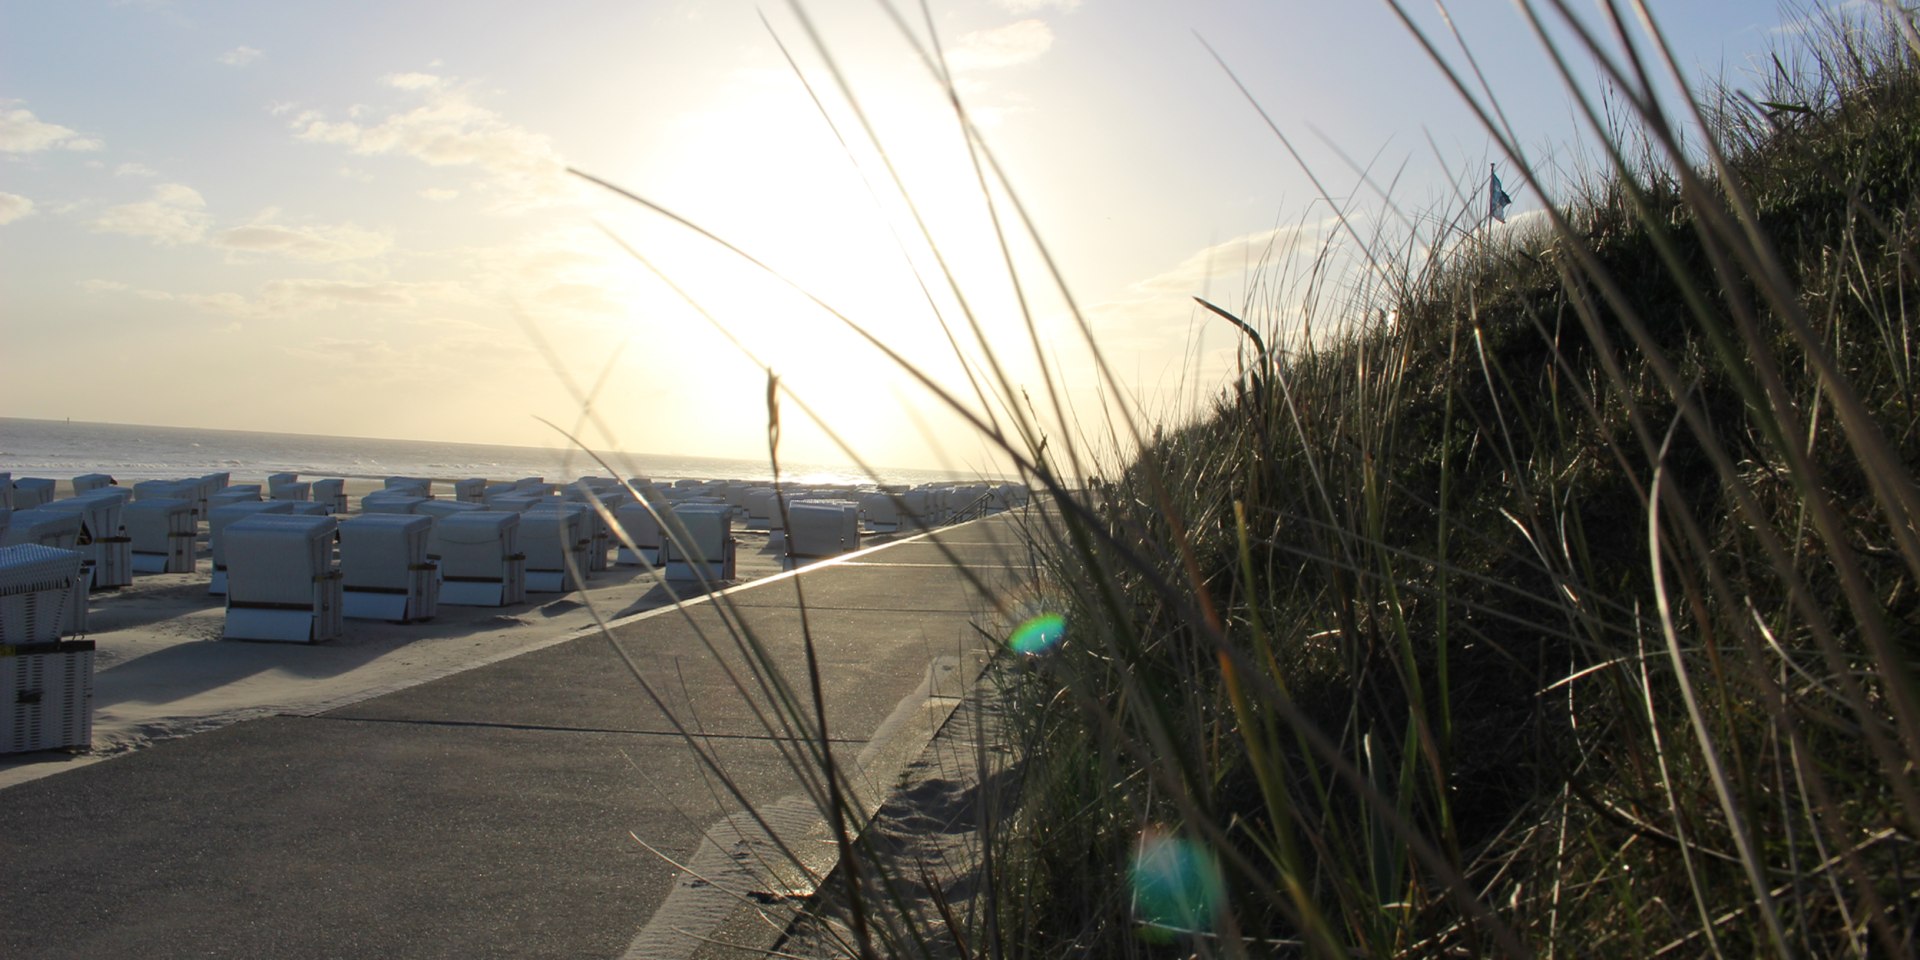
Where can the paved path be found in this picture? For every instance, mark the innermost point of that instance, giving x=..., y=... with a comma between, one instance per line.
x=488, y=814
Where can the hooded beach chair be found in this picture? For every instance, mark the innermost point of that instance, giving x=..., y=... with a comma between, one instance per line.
x=290, y=490
x=698, y=543
x=281, y=581
x=163, y=533
x=384, y=570
x=596, y=494
x=331, y=494
x=556, y=538
x=470, y=490
x=637, y=520
x=46, y=684
x=30, y=492
x=763, y=509
x=822, y=528
x=226, y=515
x=275, y=479
x=480, y=560
x=390, y=501
x=6, y=490
x=882, y=512
x=89, y=482
x=103, y=536
x=221, y=498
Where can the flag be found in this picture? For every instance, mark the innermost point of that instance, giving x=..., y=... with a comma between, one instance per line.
x=1498, y=201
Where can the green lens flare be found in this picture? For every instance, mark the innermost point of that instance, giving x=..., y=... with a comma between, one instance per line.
x=1039, y=634
x=1177, y=887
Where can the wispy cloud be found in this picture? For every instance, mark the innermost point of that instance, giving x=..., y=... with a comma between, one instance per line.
x=1218, y=271
x=174, y=215
x=241, y=56
x=439, y=194
x=135, y=170
x=14, y=206
x=519, y=168
x=317, y=243
x=22, y=132
x=1001, y=47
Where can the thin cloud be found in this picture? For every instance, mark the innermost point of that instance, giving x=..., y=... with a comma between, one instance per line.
x=14, y=206
x=1016, y=43
x=241, y=56
x=319, y=244
x=174, y=215
x=135, y=170
x=22, y=132
x=439, y=194
x=519, y=168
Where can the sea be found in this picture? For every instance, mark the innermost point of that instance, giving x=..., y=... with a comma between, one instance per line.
x=63, y=449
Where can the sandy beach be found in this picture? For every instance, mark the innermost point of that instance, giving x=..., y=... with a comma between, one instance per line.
x=162, y=670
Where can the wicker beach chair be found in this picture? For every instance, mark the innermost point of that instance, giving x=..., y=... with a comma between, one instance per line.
x=163, y=532
x=46, y=683
x=480, y=560
x=698, y=543
x=384, y=570
x=226, y=515
x=281, y=581
x=556, y=537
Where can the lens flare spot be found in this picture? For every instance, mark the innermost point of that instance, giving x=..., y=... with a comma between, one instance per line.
x=1039, y=634
x=1176, y=886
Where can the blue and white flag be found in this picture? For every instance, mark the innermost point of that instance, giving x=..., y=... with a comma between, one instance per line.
x=1498, y=201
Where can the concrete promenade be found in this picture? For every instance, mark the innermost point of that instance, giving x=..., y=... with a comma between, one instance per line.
x=493, y=813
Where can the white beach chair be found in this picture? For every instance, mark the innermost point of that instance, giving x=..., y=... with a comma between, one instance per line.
x=470, y=490
x=6, y=490
x=698, y=543
x=822, y=528
x=188, y=490
x=48, y=527
x=556, y=538
x=281, y=581
x=48, y=689
x=492, y=490
x=445, y=508
x=37, y=588
x=516, y=502
x=45, y=526
x=637, y=520
x=103, y=536
x=881, y=511
x=223, y=497
x=30, y=492
x=412, y=486
x=384, y=569
x=275, y=479
x=46, y=684
x=763, y=509
x=89, y=482
x=226, y=515
x=163, y=533
x=297, y=490
x=480, y=560
x=331, y=493
x=388, y=501
x=600, y=498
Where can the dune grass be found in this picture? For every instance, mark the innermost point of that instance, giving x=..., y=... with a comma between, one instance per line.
x=1538, y=589
x=1570, y=612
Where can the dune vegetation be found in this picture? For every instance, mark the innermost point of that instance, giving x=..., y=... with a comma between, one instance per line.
x=1549, y=590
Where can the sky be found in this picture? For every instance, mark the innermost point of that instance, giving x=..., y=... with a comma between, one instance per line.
x=356, y=218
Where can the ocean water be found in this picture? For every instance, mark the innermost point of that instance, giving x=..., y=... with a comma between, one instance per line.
x=64, y=449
